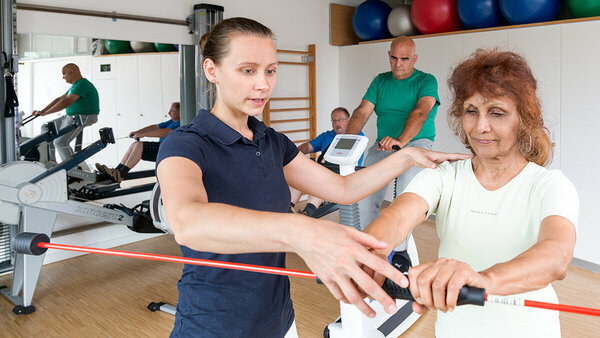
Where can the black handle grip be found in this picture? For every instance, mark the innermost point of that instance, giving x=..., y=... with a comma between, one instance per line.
x=467, y=294
x=395, y=147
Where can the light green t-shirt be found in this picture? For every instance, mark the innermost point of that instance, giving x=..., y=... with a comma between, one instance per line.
x=483, y=228
x=88, y=102
x=395, y=99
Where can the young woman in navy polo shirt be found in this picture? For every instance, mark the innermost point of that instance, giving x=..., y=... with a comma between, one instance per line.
x=224, y=180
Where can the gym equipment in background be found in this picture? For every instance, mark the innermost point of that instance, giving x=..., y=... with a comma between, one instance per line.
x=476, y=14
x=530, y=11
x=32, y=196
x=164, y=47
x=369, y=20
x=117, y=46
x=584, y=8
x=142, y=47
x=435, y=16
x=400, y=22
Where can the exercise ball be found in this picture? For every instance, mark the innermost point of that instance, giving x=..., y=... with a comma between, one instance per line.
x=479, y=13
x=400, y=23
x=370, y=20
x=164, y=47
x=435, y=16
x=530, y=11
x=117, y=46
x=584, y=8
x=142, y=47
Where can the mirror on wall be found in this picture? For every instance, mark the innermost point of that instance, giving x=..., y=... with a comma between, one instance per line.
x=136, y=82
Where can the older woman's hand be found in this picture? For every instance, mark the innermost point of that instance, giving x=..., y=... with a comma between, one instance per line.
x=436, y=284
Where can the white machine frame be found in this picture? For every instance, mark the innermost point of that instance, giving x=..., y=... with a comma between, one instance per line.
x=346, y=150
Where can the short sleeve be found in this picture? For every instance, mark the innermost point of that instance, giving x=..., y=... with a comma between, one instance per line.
x=559, y=197
x=428, y=185
x=290, y=151
x=164, y=125
x=181, y=144
x=372, y=91
x=317, y=142
x=78, y=89
x=428, y=87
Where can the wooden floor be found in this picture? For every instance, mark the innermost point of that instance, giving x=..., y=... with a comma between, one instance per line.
x=97, y=295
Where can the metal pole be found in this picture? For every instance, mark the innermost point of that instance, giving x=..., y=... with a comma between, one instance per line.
x=195, y=93
x=8, y=63
x=187, y=83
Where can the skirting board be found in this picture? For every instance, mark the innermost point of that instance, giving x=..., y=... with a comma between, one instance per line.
x=586, y=265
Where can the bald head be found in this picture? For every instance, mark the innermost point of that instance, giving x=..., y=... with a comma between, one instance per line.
x=71, y=73
x=402, y=41
x=402, y=57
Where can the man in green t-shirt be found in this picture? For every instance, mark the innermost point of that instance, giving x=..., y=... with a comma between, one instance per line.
x=81, y=99
x=405, y=101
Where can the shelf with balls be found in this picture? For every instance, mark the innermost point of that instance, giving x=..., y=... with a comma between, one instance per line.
x=376, y=20
x=113, y=47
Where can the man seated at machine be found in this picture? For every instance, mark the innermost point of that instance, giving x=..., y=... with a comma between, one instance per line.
x=339, y=123
x=142, y=150
x=81, y=99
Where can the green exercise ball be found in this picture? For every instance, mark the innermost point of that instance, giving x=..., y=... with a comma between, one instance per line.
x=584, y=8
x=164, y=47
x=117, y=46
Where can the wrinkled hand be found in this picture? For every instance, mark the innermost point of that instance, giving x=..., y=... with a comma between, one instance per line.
x=436, y=284
x=337, y=254
x=387, y=143
x=430, y=159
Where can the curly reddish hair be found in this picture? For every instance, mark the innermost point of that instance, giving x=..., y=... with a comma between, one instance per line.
x=494, y=73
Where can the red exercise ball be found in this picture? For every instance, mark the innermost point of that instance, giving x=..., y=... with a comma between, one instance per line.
x=435, y=16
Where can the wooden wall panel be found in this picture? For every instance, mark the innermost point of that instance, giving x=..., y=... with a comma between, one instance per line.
x=341, y=31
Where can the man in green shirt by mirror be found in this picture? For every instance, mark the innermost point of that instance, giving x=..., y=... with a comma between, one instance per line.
x=81, y=99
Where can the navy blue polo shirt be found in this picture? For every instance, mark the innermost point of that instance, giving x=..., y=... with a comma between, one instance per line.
x=216, y=302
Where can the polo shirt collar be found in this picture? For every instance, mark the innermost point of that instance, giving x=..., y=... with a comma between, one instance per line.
x=211, y=125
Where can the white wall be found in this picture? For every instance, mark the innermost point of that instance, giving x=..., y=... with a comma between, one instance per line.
x=565, y=64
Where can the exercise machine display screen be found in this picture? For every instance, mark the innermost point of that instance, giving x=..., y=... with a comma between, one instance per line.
x=345, y=143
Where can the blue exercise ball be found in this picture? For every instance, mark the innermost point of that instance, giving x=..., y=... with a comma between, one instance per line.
x=530, y=11
x=370, y=20
x=479, y=13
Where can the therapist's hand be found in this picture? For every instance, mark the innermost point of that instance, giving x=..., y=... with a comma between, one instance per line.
x=337, y=254
x=430, y=159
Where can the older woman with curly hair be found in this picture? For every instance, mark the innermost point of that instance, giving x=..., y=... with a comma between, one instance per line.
x=505, y=223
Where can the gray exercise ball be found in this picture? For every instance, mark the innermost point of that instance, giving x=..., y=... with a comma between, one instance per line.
x=142, y=47
x=400, y=23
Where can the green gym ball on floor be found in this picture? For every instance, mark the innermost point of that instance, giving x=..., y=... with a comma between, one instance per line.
x=584, y=8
